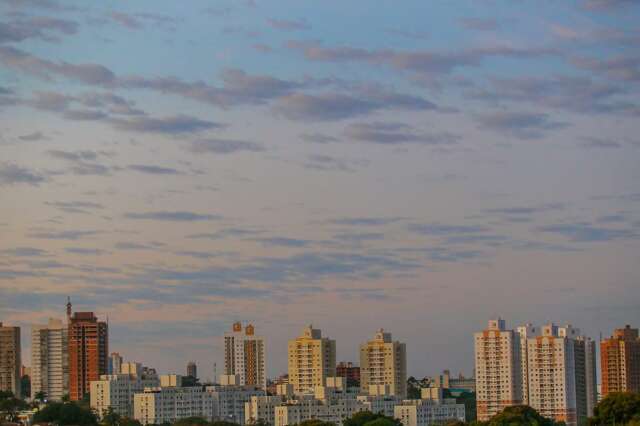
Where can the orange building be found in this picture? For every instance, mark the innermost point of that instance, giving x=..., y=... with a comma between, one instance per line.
x=620, y=361
x=88, y=352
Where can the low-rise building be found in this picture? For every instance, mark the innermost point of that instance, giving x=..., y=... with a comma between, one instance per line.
x=424, y=412
x=116, y=391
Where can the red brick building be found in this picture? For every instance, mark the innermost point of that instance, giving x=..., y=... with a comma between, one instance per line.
x=88, y=352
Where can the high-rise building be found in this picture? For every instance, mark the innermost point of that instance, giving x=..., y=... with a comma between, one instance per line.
x=244, y=355
x=10, y=359
x=350, y=372
x=498, y=369
x=116, y=391
x=312, y=358
x=384, y=362
x=50, y=360
x=552, y=373
x=192, y=369
x=620, y=361
x=590, y=367
x=525, y=332
x=88, y=349
x=115, y=363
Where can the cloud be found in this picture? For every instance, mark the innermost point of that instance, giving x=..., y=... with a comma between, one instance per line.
x=440, y=230
x=83, y=251
x=414, y=35
x=84, y=207
x=124, y=245
x=423, y=62
x=125, y=20
x=32, y=137
x=84, y=115
x=35, y=27
x=625, y=68
x=24, y=252
x=172, y=125
x=200, y=254
x=50, y=101
x=318, y=138
x=153, y=170
x=288, y=25
x=521, y=125
x=84, y=162
x=576, y=94
x=283, y=242
x=585, y=232
x=11, y=174
x=175, y=216
x=223, y=146
x=592, y=142
x=608, y=4
x=63, y=235
x=480, y=24
x=366, y=221
x=330, y=163
x=86, y=73
x=526, y=210
x=390, y=133
x=340, y=106
x=225, y=233
x=359, y=237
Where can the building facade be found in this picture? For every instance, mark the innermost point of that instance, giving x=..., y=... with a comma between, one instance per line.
x=116, y=392
x=384, y=362
x=88, y=349
x=498, y=369
x=350, y=372
x=115, y=363
x=525, y=332
x=50, y=360
x=192, y=369
x=620, y=361
x=552, y=374
x=10, y=359
x=424, y=412
x=311, y=359
x=245, y=355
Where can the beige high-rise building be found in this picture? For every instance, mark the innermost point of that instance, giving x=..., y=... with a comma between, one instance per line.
x=244, y=356
x=384, y=362
x=50, y=360
x=10, y=359
x=498, y=369
x=312, y=358
x=552, y=373
x=620, y=361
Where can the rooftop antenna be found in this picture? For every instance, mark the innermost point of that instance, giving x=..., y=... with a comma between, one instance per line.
x=69, y=306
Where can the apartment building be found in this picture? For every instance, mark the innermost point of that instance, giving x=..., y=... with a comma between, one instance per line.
x=10, y=359
x=311, y=359
x=50, y=360
x=245, y=356
x=384, y=362
x=425, y=412
x=88, y=349
x=116, y=391
x=498, y=369
x=620, y=361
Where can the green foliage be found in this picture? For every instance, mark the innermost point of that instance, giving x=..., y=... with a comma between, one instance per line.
x=192, y=421
x=521, y=415
x=370, y=419
x=10, y=405
x=621, y=408
x=316, y=422
x=66, y=413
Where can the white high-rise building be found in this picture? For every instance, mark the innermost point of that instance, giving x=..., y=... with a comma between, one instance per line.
x=312, y=359
x=498, y=369
x=525, y=332
x=425, y=412
x=552, y=373
x=116, y=391
x=384, y=362
x=245, y=356
x=50, y=360
x=115, y=363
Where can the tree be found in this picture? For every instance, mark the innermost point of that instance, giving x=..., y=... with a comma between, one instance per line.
x=66, y=413
x=192, y=421
x=111, y=418
x=520, y=415
x=10, y=405
x=367, y=418
x=619, y=408
x=316, y=422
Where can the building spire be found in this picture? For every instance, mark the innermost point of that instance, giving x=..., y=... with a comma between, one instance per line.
x=69, y=308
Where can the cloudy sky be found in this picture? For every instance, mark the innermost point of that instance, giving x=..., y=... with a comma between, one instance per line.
x=419, y=166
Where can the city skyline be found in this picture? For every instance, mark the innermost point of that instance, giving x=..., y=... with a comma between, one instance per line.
x=283, y=163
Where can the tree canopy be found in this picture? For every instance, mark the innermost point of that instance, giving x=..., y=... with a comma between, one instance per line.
x=66, y=413
x=371, y=419
x=620, y=408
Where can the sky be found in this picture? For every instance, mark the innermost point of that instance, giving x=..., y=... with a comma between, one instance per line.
x=421, y=166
